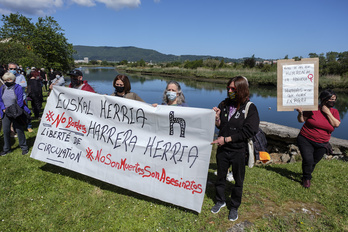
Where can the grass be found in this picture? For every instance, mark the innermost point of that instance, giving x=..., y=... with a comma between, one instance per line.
x=254, y=75
x=36, y=196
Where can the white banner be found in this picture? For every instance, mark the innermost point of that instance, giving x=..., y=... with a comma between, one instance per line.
x=162, y=152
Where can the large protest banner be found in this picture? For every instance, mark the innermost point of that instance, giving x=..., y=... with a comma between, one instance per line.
x=162, y=152
x=297, y=84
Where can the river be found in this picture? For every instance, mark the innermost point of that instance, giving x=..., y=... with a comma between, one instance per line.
x=208, y=95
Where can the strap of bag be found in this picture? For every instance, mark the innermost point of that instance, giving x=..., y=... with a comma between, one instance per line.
x=251, y=160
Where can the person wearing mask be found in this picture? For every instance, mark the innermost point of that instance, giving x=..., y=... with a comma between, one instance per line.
x=76, y=77
x=35, y=93
x=58, y=80
x=20, y=80
x=10, y=94
x=122, y=88
x=313, y=139
x=173, y=95
x=234, y=132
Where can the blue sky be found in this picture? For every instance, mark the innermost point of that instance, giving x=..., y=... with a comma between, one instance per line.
x=268, y=29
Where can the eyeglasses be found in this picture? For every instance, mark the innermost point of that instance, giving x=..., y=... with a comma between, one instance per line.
x=12, y=68
x=233, y=89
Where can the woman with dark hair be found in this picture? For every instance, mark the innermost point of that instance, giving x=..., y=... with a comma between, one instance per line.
x=34, y=92
x=235, y=130
x=122, y=88
x=313, y=139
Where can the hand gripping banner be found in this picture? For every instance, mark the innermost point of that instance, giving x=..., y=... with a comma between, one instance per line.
x=161, y=152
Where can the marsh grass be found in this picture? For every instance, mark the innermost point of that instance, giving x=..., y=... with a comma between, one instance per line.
x=254, y=75
x=36, y=196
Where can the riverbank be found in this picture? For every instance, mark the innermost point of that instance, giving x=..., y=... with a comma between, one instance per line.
x=222, y=75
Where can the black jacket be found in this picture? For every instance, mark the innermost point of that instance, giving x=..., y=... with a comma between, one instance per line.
x=238, y=128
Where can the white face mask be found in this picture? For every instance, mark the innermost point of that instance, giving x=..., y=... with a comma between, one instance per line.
x=171, y=95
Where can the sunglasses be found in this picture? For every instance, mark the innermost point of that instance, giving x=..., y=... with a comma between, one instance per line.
x=233, y=89
x=12, y=68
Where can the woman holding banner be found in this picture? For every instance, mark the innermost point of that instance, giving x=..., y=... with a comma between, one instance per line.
x=313, y=139
x=234, y=132
x=122, y=88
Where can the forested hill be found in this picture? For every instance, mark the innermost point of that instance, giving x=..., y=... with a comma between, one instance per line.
x=135, y=54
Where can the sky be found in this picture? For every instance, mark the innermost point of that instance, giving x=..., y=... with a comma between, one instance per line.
x=268, y=29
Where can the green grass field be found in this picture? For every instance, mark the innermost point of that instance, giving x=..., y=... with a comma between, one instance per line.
x=36, y=196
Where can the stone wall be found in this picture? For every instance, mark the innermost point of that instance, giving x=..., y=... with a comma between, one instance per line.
x=282, y=144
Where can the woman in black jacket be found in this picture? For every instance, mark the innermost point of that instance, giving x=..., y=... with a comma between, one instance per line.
x=234, y=132
x=34, y=92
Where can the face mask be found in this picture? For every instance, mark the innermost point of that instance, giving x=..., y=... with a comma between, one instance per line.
x=232, y=95
x=14, y=72
x=171, y=95
x=330, y=104
x=57, y=76
x=75, y=82
x=119, y=89
x=9, y=84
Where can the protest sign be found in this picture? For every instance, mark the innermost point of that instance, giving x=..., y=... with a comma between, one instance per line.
x=161, y=152
x=297, y=84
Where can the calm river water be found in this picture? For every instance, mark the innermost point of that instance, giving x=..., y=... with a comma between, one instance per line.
x=207, y=95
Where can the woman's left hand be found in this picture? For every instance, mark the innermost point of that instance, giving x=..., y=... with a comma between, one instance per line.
x=219, y=141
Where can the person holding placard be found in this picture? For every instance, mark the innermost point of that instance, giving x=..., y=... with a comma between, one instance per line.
x=313, y=139
x=122, y=87
x=234, y=132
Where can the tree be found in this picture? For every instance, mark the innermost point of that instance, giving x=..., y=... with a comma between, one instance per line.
x=250, y=62
x=45, y=39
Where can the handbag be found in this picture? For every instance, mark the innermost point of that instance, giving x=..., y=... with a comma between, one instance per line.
x=14, y=111
x=257, y=145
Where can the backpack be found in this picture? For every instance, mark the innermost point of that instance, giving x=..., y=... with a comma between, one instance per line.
x=257, y=145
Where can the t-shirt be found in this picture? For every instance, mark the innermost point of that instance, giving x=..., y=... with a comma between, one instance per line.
x=317, y=126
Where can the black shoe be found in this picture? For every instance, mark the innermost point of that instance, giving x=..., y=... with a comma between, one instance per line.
x=216, y=208
x=3, y=153
x=24, y=152
x=233, y=216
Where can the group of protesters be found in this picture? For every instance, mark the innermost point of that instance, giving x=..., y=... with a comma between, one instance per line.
x=235, y=125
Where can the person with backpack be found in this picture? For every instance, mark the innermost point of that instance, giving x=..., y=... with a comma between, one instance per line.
x=313, y=139
x=234, y=131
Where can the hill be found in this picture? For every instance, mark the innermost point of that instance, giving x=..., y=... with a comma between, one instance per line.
x=118, y=54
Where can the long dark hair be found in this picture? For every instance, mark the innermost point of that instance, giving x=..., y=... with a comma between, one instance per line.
x=125, y=80
x=325, y=95
x=242, y=88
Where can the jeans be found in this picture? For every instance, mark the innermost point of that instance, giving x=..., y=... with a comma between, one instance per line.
x=6, y=126
x=224, y=160
x=311, y=153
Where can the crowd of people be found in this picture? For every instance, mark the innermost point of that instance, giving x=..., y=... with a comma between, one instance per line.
x=235, y=128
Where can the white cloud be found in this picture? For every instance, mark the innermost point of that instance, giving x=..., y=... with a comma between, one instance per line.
x=48, y=7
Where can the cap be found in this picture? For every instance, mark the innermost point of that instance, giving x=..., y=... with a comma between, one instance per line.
x=75, y=73
x=32, y=68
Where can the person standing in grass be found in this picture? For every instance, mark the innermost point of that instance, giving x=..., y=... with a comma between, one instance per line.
x=234, y=132
x=313, y=139
x=10, y=94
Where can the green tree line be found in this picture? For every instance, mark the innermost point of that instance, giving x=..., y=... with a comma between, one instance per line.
x=40, y=44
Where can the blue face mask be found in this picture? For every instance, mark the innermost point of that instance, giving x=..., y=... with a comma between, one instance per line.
x=171, y=95
x=14, y=72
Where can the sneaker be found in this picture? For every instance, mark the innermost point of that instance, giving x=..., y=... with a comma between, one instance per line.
x=233, y=215
x=3, y=153
x=216, y=208
x=30, y=130
x=24, y=152
x=229, y=177
x=306, y=183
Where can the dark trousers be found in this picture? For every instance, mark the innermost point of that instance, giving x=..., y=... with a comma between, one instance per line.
x=311, y=153
x=224, y=160
x=36, y=104
x=6, y=126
